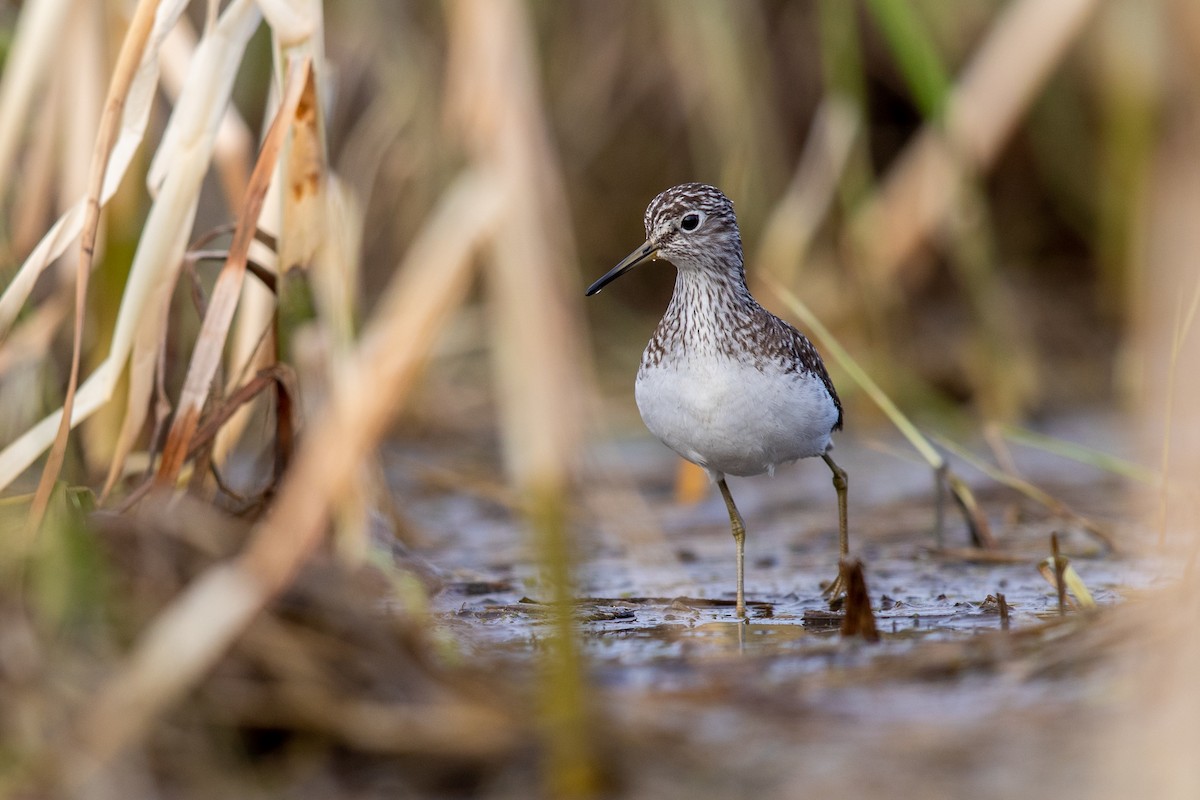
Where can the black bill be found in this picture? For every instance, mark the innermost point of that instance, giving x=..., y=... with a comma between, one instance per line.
x=630, y=261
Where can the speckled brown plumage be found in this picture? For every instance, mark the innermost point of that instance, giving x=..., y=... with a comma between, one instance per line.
x=724, y=382
x=739, y=327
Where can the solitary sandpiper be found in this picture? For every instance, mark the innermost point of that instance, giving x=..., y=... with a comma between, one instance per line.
x=723, y=382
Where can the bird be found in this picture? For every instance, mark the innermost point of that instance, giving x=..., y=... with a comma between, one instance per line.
x=723, y=382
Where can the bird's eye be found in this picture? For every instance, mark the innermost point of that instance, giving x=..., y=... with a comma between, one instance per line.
x=690, y=221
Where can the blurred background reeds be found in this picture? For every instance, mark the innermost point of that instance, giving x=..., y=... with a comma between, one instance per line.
x=317, y=235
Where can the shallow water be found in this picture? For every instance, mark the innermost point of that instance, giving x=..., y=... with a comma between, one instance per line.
x=667, y=653
x=658, y=568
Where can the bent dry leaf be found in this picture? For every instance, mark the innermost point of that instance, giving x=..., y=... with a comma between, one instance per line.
x=215, y=328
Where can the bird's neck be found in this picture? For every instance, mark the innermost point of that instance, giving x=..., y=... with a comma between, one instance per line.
x=705, y=315
x=709, y=295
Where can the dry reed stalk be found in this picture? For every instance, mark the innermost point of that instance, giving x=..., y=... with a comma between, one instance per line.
x=33, y=48
x=794, y=221
x=210, y=343
x=182, y=643
x=141, y=97
x=539, y=342
x=132, y=49
x=734, y=127
x=234, y=145
x=177, y=171
x=80, y=93
x=39, y=162
x=1150, y=749
x=996, y=87
x=319, y=231
x=297, y=30
x=539, y=350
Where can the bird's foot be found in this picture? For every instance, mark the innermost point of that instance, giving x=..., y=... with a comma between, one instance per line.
x=836, y=591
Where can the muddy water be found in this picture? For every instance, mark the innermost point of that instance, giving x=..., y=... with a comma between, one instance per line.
x=783, y=697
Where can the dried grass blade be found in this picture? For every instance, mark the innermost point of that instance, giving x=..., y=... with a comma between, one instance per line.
x=190, y=634
x=164, y=239
x=795, y=219
x=235, y=142
x=1080, y=453
x=141, y=98
x=33, y=47
x=210, y=343
x=132, y=48
x=980, y=530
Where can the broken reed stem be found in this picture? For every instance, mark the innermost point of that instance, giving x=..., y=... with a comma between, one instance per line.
x=128, y=61
x=859, y=620
x=1060, y=567
x=210, y=343
x=1040, y=496
x=1057, y=570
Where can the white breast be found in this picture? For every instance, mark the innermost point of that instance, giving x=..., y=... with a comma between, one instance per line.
x=729, y=417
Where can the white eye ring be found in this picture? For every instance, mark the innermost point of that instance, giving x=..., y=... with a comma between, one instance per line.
x=691, y=221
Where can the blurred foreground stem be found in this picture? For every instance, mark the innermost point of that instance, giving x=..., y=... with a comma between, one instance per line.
x=570, y=768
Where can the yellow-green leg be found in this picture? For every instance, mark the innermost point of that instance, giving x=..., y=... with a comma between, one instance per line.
x=840, y=483
x=739, y=537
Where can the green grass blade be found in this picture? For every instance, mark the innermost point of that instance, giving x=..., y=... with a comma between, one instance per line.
x=915, y=53
x=1081, y=453
x=858, y=374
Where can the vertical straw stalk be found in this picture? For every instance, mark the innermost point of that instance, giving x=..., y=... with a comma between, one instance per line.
x=733, y=124
x=132, y=49
x=25, y=67
x=1150, y=750
x=539, y=362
